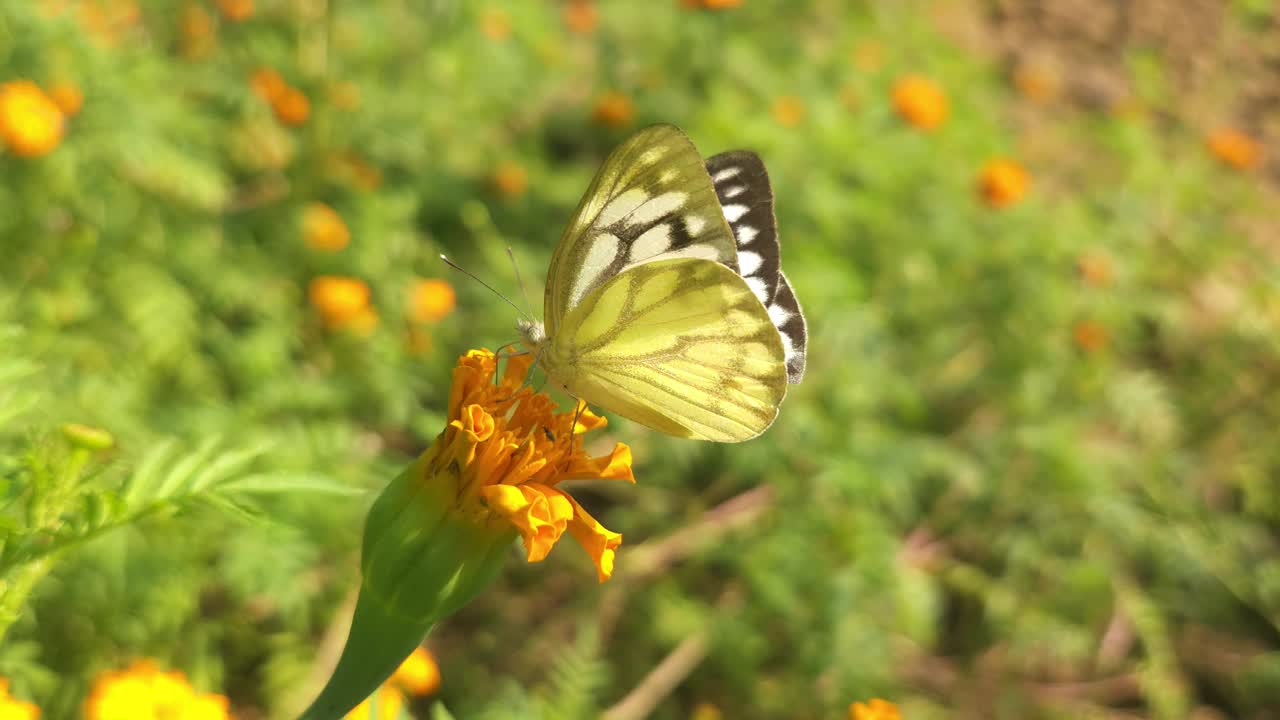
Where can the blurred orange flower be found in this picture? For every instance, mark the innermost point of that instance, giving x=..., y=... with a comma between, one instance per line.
x=711, y=4
x=198, y=31
x=323, y=228
x=1235, y=148
x=614, y=109
x=788, y=110
x=705, y=711
x=106, y=21
x=389, y=700
x=1003, y=182
x=1089, y=336
x=1094, y=269
x=11, y=709
x=351, y=168
x=67, y=97
x=495, y=24
x=875, y=709
x=31, y=123
x=291, y=106
x=431, y=300
x=236, y=10
x=418, y=674
x=510, y=178
x=920, y=102
x=581, y=16
x=143, y=692
x=266, y=83
x=1036, y=82
x=343, y=303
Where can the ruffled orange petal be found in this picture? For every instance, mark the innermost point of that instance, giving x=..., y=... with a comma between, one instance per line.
x=599, y=542
x=539, y=512
x=616, y=466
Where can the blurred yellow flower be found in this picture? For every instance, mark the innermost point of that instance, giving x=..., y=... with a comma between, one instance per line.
x=143, y=692
x=875, y=709
x=705, y=711
x=511, y=450
x=266, y=83
x=11, y=709
x=291, y=106
x=1003, y=182
x=495, y=23
x=236, y=10
x=355, y=170
x=389, y=700
x=1089, y=336
x=788, y=110
x=614, y=109
x=1094, y=269
x=323, y=228
x=198, y=31
x=418, y=674
x=581, y=16
x=31, y=123
x=343, y=303
x=345, y=95
x=510, y=178
x=67, y=97
x=431, y=300
x=1235, y=148
x=920, y=102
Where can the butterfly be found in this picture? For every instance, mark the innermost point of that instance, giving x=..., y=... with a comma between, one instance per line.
x=665, y=301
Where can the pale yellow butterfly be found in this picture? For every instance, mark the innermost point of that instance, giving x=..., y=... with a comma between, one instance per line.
x=647, y=312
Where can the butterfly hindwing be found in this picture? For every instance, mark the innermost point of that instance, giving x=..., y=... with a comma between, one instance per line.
x=651, y=199
x=746, y=198
x=680, y=345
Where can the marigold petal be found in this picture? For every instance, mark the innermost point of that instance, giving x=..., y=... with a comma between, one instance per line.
x=539, y=512
x=599, y=542
x=418, y=674
x=616, y=466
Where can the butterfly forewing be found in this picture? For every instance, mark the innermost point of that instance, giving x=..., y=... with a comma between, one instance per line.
x=652, y=199
x=742, y=187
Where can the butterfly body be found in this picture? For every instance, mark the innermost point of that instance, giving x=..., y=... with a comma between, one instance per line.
x=648, y=312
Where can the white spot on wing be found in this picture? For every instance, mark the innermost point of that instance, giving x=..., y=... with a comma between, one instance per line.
x=734, y=191
x=704, y=252
x=604, y=248
x=749, y=263
x=656, y=239
x=621, y=206
x=726, y=173
x=758, y=287
x=657, y=207
x=779, y=315
x=733, y=212
x=745, y=234
x=652, y=155
x=694, y=224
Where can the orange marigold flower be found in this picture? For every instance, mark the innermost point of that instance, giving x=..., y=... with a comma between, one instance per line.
x=711, y=4
x=495, y=23
x=706, y=711
x=581, y=16
x=350, y=168
x=418, y=674
x=511, y=179
x=343, y=302
x=323, y=228
x=12, y=709
x=614, y=109
x=1003, y=182
x=291, y=106
x=143, y=692
x=1094, y=269
x=1090, y=336
x=67, y=97
x=513, y=449
x=920, y=101
x=1036, y=82
x=389, y=700
x=788, y=110
x=31, y=124
x=198, y=31
x=1235, y=148
x=236, y=10
x=875, y=709
x=431, y=300
x=266, y=83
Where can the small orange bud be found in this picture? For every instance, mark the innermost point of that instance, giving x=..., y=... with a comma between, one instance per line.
x=323, y=228
x=581, y=16
x=266, y=83
x=1090, y=336
x=236, y=10
x=291, y=106
x=614, y=110
x=920, y=101
x=706, y=711
x=1094, y=269
x=495, y=24
x=418, y=674
x=68, y=98
x=788, y=110
x=721, y=4
x=1003, y=182
x=875, y=709
x=31, y=124
x=511, y=179
x=431, y=300
x=1235, y=148
x=342, y=302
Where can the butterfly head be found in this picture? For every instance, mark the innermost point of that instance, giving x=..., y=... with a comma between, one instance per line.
x=532, y=333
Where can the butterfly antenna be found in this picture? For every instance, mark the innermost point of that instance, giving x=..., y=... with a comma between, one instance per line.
x=519, y=278
x=471, y=275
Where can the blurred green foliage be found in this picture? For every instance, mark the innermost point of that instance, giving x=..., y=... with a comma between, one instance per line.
x=1030, y=473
